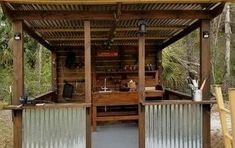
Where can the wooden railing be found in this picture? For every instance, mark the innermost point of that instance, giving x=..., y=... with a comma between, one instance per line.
x=48, y=96
x=176, y=95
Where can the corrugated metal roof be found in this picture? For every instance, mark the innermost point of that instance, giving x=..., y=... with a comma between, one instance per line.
x=127, y=7
x=107, y=25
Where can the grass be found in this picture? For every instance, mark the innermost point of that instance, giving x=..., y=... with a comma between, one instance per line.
x=5, y=128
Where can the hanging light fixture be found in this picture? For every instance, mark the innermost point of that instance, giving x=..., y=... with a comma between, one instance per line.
x=142, y=26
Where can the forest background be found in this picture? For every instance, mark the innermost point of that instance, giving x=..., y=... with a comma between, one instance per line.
x=178, y=60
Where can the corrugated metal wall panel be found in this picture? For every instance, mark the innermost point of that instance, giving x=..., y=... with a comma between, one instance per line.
x=173, y=126
x=54, y=128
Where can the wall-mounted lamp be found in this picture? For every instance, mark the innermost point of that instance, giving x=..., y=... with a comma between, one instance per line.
x=142, y=27
x=17, y=36
x=205, y=34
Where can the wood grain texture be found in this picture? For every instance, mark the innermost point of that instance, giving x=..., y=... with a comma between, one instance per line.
x=231, y=93
x=205, y=68
x=17, y=128
x=141, y=59
x=54, y=78
x=87, y=45
x=88, y=128
x=115, y=98
x=18, y=82
x=141, y=126
x=18, y=63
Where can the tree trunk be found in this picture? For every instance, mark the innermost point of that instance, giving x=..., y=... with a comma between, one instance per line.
x=189, y=44
x=40, y=55
x=215, y=33
x=228, y=46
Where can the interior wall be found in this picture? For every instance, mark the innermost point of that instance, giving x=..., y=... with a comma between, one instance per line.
x=115, y=69
x=74, y=76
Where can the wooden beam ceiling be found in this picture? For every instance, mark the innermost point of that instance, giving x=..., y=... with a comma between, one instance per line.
x=110, y=1
x=189, y=29
x=103, y=38
x=107, y=29
x=109, y=15
x=180, y=35
x=30, y=32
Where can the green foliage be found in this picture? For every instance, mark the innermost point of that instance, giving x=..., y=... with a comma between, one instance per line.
x=174, y=73
x=33, y=85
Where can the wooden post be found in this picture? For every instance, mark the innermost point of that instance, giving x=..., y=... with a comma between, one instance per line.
x=141, y=90
x=141, y=67
x=205, y=68
x=87, y=46
x=18, y=63
x=54, y=74
x=231, y=93
x=159, y=64
x=18, y=80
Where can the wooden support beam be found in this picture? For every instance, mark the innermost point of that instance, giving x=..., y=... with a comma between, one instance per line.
x=18, y=63
x=141, y=84
x=113, y=29
x=141, y=56
x=35, y=36
x=110, y=1
x=54, y=72
x=87, y=48
x=108, y=15
x=18, y=82
x=205, y=74
x=42, y=30
x=160, y=70
x=141, y=126
x=87, y=45
x=205, y=66
x=103, y=39
x=180, y=35
x=218, y=10
x=231, y=93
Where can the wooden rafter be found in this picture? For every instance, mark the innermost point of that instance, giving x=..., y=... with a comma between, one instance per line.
x=108, y=15
x=34, y=35
x=110, y=1
x=189, y=29
x=180, y=35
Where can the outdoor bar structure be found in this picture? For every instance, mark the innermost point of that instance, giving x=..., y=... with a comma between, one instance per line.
x=97, y=47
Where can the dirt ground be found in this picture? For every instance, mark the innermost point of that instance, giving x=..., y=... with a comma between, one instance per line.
x=6, y=129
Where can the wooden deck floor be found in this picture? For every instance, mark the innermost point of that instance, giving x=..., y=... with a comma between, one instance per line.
x=116, y=136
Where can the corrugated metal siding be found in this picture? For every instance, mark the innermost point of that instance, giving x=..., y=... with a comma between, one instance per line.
x=54, y=128
x=173, y=126
x=125, y=7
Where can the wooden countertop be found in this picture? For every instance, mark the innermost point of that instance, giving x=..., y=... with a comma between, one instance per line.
x=115, y=92
x=165, y=102
x=119, y=92
x=43, y=105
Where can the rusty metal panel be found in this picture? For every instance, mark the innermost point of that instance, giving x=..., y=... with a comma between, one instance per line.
x=173, y=126
x=54, y=128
